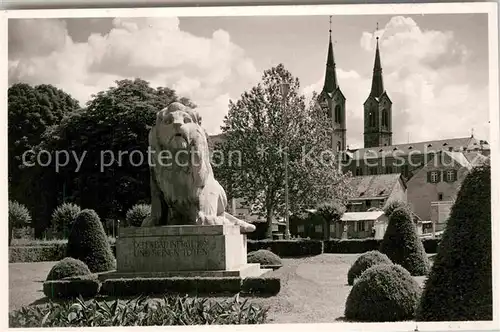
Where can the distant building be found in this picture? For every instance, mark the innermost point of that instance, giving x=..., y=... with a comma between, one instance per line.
x=375, y=191
x=361, y=225
x=433, y=188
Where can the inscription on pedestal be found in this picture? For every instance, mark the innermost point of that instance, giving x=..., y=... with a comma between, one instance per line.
x=163, y=247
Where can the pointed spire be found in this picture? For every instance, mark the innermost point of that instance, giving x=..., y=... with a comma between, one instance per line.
x=330, y=76
x=377, y=80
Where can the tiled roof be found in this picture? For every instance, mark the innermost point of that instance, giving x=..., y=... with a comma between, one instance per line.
x=380, y=185
x=456, y=144
x=475, y=158
x=359, y=216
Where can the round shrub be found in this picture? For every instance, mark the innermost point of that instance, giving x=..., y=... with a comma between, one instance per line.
x=136, y=215
x=64, y=216
x=264, y=257
x=383, y=293
x=19, y=216
x=364, y=262
x=459, y=286
x=402, y=244
x=88, y=242
x=68, y=267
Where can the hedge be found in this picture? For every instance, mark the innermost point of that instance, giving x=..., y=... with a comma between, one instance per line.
x=288, y=248
x=55, y=251
x=43, y=253
x=193, y=285
x=65, y=289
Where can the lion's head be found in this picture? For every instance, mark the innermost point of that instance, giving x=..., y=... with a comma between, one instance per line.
x=178, y=131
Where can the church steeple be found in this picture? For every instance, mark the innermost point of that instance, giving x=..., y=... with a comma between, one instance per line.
x=331, y=83
x=377, y=80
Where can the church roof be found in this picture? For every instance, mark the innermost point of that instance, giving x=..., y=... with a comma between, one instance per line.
x=454, y=144
x=331, y=83
x=374, y=186
x=377, y=79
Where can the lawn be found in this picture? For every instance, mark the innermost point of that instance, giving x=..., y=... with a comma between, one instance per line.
x=313, y=289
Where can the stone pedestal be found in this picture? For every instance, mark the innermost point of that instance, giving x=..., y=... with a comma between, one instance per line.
x=182, y=251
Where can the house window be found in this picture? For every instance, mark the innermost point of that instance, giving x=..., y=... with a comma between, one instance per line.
x=433, y=177
x=338, y=114
x=332, y=228
x=450, y=175
x=372, y=119
x=359, y=171
x=300, y=228
x=405, y=171
x=388, y=169
x=338, y=146
x=362, y=226
x=318, y=228
x=373, y=171
x=440, y=196
x=368, y=204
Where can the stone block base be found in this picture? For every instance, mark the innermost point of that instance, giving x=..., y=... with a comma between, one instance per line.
x=244, y=271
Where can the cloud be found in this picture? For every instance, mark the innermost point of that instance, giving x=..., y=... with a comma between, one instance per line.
x=425, y=75
x=154, y=49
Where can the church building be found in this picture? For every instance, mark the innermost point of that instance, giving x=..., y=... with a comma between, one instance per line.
x=380, y=157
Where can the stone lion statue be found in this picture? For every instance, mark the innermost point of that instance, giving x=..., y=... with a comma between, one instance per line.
x=183, y=188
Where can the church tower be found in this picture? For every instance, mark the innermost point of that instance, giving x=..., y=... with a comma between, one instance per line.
x=332, y=101
x=377, y=110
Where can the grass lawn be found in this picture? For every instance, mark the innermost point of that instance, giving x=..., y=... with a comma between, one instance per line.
x=313, y=289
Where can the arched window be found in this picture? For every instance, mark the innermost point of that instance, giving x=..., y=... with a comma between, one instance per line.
x=372, y=119
x=385, y=118
x=339, y=146
x=338, y=114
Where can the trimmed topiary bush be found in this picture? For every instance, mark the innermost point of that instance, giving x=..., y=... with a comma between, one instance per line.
x=402, y=244
x=136, y=214
x=394, y=205
x=264, y=258
x=383, y=293
x=261, y=286
x=68, y=267
x=19, y=216
x=88, y=243
x=288, y=248
x=64, y=216
x=459, y=286
x=364, y=262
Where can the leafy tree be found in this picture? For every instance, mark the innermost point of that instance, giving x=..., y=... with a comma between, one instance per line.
x=112, y=135
x=19, y=216
x=31, y=111
x=260, y=128
x=330, y=212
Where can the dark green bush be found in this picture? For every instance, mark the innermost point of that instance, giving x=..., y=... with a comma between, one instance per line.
x=66, y=289
x=88, y=242
x=383, y=293
x=364, y=262
x=140, y=312
x=431, y=245
x=394, y=205
x=261, y=285
x=136, y=214
x=351, y=246
x=137, y=286
x=44, y=253
x=459, y=286
x=288, y=248
x=264, y=258
x=402, y=245
x=68, y=267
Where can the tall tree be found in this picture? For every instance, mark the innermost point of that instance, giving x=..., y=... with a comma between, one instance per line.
x=110, y=136
x=31, y=110
x=259, y=129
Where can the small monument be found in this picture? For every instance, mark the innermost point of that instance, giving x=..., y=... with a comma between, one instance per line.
x=189, y=233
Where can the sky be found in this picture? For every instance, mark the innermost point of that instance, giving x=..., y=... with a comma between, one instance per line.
x=435, y=66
